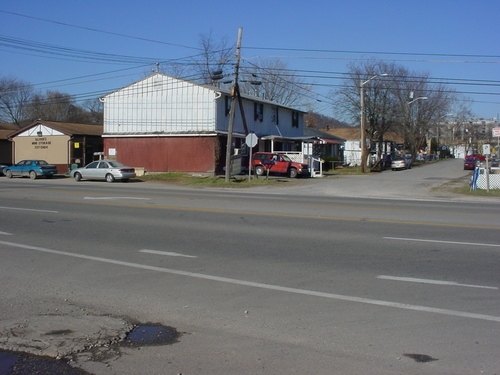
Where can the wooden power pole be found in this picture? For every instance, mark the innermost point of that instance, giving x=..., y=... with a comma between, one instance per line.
x=234, y=93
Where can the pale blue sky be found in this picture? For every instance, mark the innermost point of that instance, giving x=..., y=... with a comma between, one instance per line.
x=453, y=40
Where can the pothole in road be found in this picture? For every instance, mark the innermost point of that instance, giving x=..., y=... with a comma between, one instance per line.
x=151, y=334
x=21, y=363
x=421, y=358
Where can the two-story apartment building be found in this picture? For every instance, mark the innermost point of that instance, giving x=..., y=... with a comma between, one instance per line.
x=165, y=124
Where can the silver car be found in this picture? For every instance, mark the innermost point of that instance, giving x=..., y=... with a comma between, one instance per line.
x=109, y=170
x=400, y=163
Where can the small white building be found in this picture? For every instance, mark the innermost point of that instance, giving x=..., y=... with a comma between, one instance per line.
x=167, y=124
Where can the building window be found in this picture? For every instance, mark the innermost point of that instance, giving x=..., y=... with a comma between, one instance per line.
x=228, y=104
x=275, y=118
x=258, y=112
x=295, y=119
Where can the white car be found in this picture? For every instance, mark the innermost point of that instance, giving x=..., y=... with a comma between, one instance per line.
x=108, y=170
x=400, y=163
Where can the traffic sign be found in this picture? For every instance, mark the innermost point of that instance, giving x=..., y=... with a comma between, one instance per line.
x=486, y=149
x=251, y=140
x=496, y=132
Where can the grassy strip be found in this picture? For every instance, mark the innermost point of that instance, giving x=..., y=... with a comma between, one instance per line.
x=217, y=181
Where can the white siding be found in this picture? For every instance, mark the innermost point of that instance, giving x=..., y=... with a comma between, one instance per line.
x=160, y=104
x=352, y=153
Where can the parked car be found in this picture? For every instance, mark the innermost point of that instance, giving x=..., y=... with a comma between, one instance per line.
x=31, y=169
x=477, y=157
x=2, y=166
x=277, y=163
x=108, y=170
x=400, y=163
x=470, y=163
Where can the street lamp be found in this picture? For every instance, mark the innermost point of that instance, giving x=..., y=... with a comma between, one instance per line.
x=419, y=98
x=362, y=120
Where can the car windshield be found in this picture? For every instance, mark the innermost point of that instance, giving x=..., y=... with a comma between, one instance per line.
x=285, y=158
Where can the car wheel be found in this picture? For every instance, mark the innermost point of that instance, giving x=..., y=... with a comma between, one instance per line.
x=78, y=176
x=259, y=170
x=293, y=173
x=8, y=174
x=110, y=178
x=33, y=175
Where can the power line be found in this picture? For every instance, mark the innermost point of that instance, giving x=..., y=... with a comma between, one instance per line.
x=375, y=52
x=97, y=30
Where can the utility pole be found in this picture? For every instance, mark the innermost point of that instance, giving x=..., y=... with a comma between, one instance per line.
x=362, y=119
x=362, y=127
x=234, y=93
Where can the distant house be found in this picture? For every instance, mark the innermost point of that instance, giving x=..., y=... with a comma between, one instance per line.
x=352, y=149
x=165, y=124
x=58, y=143
x=324, y=144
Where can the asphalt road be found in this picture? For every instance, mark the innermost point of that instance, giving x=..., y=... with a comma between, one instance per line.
x=335, y=275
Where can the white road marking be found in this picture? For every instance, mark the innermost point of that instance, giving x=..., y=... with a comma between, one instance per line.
x=168, y=253
x=437, y=241
x=27, y=209
x=6, y=234
x=114, y=198
x=312, y=293
x=435, y=282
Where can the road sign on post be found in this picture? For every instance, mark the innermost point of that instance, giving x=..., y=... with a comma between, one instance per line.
x=486, y=149
x=251, y=140
x=496, y=132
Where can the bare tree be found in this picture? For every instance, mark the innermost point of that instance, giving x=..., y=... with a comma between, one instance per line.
x=379, y=105
x=421, y=104
x=52, y=106
x=211, y=64
x=94, y=109
x=273, y=81
x=393, y=100
x=268, y=79
x=15, y=97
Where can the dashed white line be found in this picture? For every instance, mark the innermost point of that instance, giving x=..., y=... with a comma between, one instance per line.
x=167, y=253
x=435, y=282
x=27, y=209
x=447, y=242
x=312, y=293
x=115, y=198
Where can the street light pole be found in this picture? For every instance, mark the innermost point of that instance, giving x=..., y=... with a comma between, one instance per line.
x=362, y=120
x=410, y=114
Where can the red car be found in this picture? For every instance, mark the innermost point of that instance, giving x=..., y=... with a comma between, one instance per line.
x=472, y=160
x=262, y=162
